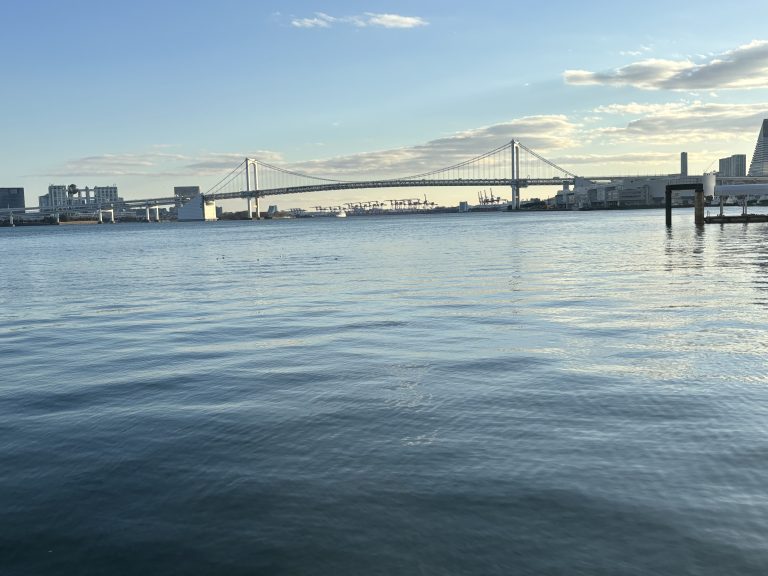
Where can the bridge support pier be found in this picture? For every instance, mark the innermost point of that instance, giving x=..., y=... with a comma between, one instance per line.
x=250, y=208
x=100, y=217
x=10, y=219
x=157, y=213
x=698, y=204
x=258, y=213
x=515, y=197
x=147, y=211
x=515, y=149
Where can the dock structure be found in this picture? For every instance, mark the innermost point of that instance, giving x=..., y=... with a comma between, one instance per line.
x=698, y=187
x=735, y=218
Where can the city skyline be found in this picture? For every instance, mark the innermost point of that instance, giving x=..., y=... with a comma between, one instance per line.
x=150, y=97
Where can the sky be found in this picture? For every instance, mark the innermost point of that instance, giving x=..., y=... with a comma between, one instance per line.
x=148, y=95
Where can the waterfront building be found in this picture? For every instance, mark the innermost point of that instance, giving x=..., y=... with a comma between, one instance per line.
x=184, y=194
x=735, y=165
x=630, y=192
x=105, y=195
x=197, y=209
x=759, y=164
x=12, y=198
x=56, y=197
x=62, y=196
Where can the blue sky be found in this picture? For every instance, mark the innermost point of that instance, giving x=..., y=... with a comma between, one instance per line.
x=148, y=95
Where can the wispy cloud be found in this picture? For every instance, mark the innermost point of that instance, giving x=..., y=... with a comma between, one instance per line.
x=319, y=20
x=393, y=21
x=746, y=67
x=543, y=133
x=688, y=122
x=639, y=52
x=595, y=160
x=154, y=164
x=368, y=19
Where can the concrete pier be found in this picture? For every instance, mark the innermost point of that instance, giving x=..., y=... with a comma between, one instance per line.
x=698, y=201
x=698, y=207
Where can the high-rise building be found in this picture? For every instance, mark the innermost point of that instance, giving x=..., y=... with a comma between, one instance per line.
x=735, y=165
x=12, y=198
x=683, y=163
x=759, y=164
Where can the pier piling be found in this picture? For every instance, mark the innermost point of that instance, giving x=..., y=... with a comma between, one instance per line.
x=699, y=207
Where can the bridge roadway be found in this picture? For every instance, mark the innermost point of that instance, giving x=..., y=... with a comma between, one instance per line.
x=522, y=183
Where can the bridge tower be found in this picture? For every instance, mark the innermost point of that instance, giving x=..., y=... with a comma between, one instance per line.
x=248, y=164
x=515, y=172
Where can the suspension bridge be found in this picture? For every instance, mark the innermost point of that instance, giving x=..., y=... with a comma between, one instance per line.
x=513, y=164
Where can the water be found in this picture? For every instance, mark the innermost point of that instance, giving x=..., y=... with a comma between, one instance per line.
x=571, y=393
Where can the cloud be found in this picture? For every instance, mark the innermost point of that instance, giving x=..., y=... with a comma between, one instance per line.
x=542, y=133
x=683, y=122
x=319, y=21
x=633, y=133
x=639, y=109
x=368, y=19
x=746, y=67
x=154, y=164
x=654, y=158
x=638, y=52
x=394, y=21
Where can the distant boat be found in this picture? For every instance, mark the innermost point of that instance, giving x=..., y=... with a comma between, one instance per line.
x=340, y=214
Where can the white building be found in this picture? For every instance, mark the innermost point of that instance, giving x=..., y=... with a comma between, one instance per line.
x=60, y=196
x=631, y=192
x=759, y=165
x=197, y=209
x=105, y=195
x=57, y=196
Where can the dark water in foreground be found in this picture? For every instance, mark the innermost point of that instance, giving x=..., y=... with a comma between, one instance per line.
x=459, y=394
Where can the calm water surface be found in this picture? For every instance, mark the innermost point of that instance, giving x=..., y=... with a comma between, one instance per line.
x=573, y=393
